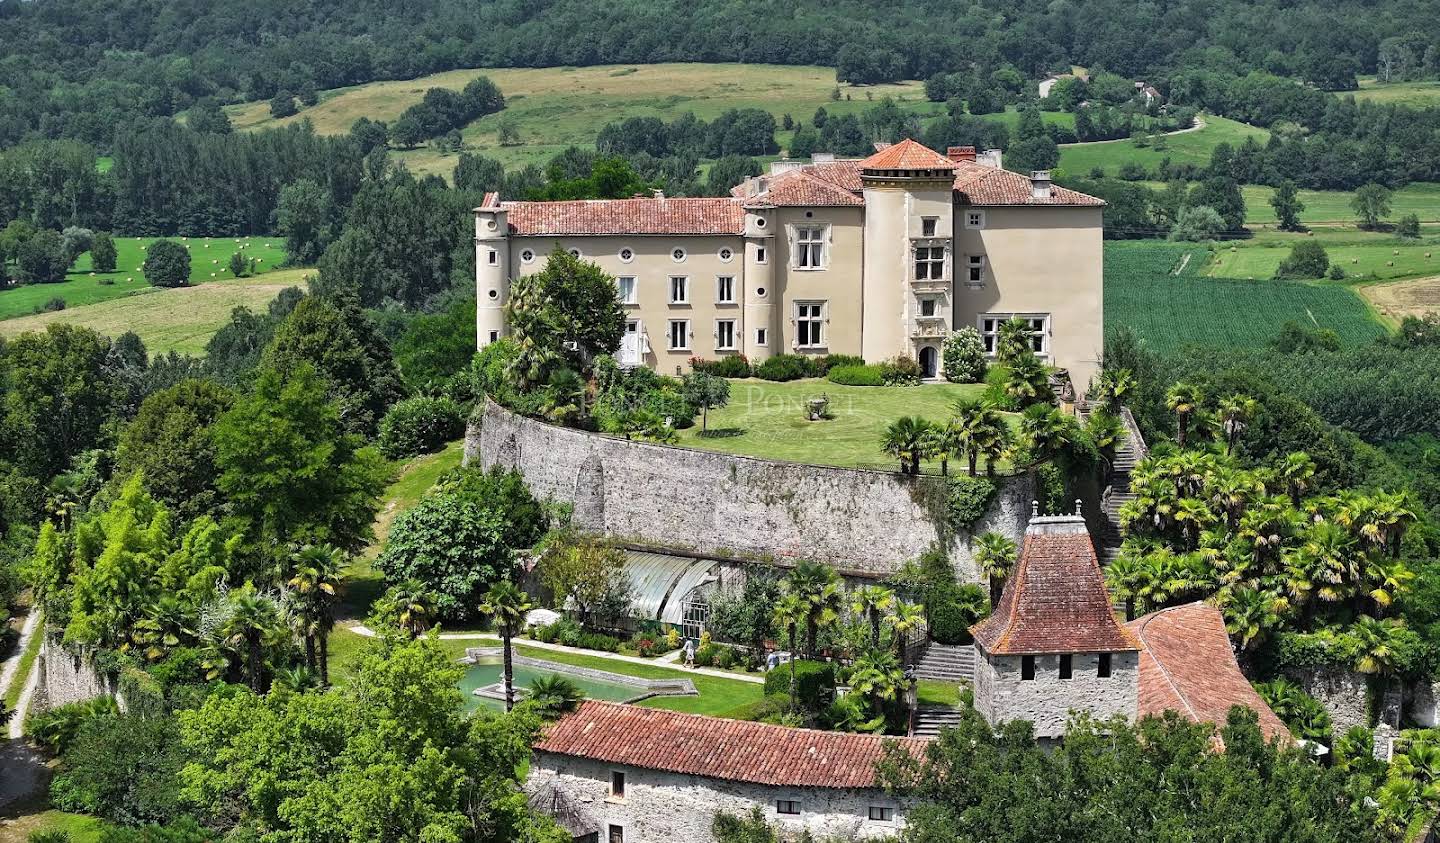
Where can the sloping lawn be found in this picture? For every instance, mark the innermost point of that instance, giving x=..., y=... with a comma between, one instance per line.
x=768, y=419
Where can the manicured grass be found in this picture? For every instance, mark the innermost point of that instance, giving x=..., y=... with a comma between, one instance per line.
x=181, y=319
x=1173, y=312
x=767, y=419
x=1187, y=148
x=1415, y=94
x=79, y=827
x=22, y=673
x=933, y=692
x=1377, y=260
x=556, y=107
x=1331, y=206
x=209, y=259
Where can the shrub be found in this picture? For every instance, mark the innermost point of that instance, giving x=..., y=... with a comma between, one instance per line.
x=125, y=769
x=724, y=657
x=784, y=367
x=1307, y=259
x=51, y=305
x=968, y=499
x=857, y=375
x=1337, y=272
x=730, y=366
x=102, y=252
x=900, y=371
x=823, y=365
x=705, y=655
x=963, y=357
x=646, y=645
x=814, y=683
x=56, y=729
x=953, y=610
x=167, y=264
x=598, y=641
x=420, y=426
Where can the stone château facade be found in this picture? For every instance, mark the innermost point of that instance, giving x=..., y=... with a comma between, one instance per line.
x=880, y=257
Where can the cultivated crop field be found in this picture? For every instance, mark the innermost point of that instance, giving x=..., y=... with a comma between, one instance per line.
x=1367, y=260
x=1078, y=159
x=181, y=319
x=83, y=287
x=1174, y=312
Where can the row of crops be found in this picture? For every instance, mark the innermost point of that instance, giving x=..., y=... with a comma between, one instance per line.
x=1175, y=311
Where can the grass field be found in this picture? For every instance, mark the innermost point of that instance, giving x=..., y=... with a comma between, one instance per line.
x=1333, y=206
x=209, y=259
x=181, y=319
x=767, y=419
x=1173, y=312
x=553, y=108
x=1383, y=261
x=1186, y=148
x=1417, y=94
x=78, y=828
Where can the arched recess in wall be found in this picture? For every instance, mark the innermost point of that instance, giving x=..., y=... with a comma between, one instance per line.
x=590, y=493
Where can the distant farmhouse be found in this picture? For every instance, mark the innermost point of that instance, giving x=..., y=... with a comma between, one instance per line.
x=1048, y=83
x=880, y=257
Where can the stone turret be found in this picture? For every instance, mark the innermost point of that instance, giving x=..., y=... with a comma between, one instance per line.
x=1052, y=645
x=492, y=270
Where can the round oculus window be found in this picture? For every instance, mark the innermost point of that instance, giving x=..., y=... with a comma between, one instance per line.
x=527, y=256
x=759, y=222
x=627, y=255
x=574, y=253
x=677, y=255
x=760, y=292
x=490, y=224
x=726, y=255
x=494, y=294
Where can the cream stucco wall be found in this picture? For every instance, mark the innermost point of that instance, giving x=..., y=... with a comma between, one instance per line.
x=837, y=284
x=1039, y=260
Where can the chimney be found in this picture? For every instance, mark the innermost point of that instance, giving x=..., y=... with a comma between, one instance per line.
x=960, y=153
x=1040, y=184
x=822, y=158
x=657, y=194
x=990, y=158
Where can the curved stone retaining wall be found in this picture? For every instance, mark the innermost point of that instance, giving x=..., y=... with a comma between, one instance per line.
x=865, y=523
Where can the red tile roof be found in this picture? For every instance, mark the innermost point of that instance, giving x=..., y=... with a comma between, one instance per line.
x=1187, y=666
x=735, y=750
x=1055, y=600
x=800, y=187
x=980, y=184
x=490, y=202
x=907, y=155
x=628, y=216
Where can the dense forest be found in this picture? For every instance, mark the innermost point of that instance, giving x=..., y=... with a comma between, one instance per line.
x=79, y=68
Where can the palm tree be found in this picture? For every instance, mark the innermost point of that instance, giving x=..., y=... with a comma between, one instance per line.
x=315, y=582
x=1236, y=413
x=1025, y=379
x=907, y=439
x=1387, y=579
x=1115, y=385
x=1249, y=614
x=1325, y=566
x=1183, y=399
x=982, y=431
x=876, y=675
x=253, y=622
x=791, y=611
x=946, y=440
x=508, y=604
x=1123, y=577
x=905, y=618
x=871, y=602
x=819, y=587
x=1295, y=473
x=995, y=556
x=1231, y=489
x=413, y=606
x=554, y=695
x=1375, y=649
x=1013, y=340
x=1193, y=515
x=1107, y=431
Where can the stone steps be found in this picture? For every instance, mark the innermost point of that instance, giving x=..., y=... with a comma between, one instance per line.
x=930, y=719
x=947, y=663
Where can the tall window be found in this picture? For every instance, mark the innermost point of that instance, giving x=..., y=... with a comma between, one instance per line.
x=679, y=289
x=759, y=254
x=1027, y=668
x=679, y=334
x=493, y=257
x=809, y=322
x=927, y=307
x=617, y=784
x=1039, y=330
x=724, y=334
x=762, y=336
x=725, y=289
x=975, y=266
x=929, y=263
x=1067, y=666
x=625, y=285
x=810, y=247
x=616, y=835
x=1102, y=668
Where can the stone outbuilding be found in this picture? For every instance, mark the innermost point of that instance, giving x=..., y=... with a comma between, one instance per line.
x=616, y=773
x=1052, y=646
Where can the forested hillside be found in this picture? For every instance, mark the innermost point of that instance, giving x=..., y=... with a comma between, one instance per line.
x=76, y=68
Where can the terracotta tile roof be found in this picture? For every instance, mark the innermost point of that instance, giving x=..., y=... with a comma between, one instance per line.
x=490, y=202
x=803, y=188
x=907, y=155
x=980, y=184
x=735, y=750
x=1187, y=665
x=703, y=215
x=1055, y=600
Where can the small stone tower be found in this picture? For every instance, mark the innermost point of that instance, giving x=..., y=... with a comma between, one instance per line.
x=1052, y=645
x=492, y=270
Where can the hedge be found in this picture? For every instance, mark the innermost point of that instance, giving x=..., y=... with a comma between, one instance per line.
x=857, y=375
x=784, y=367
x=814, y=683
x=420, y=426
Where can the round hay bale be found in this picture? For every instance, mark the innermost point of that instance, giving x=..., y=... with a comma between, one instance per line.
x=1389, y=263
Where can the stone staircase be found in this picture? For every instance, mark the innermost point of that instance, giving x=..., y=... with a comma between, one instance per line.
x=930, y=719
x=1118, y=493
x=947, y=663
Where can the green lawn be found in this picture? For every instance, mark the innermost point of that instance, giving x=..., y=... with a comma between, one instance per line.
x=181, y=319
x=1331, y=206
x=1187, y=148
x=767, y=419
x=935, y=692
x=1385, y=261
x=1414, y=94
x=209, y=259
x=1172, y=312
x=79, y=828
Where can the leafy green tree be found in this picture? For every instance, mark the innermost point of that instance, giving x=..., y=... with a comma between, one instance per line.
x=167, y=264
x=283, y=105
x=40, y=258
x=123, y=768
x=102, y=252
x=169, y=443
x=61, y=398
x=305, y=216
x=74, y=242
x=729, y=172
x=478, y=174
x=1307, y=259
x=566, y=313
x=1197, y=222
x=705, y=390
x=290, y=469
x=1371, y=203
x=1408, y=227
x=437, y=346
x=1286, y=202
x=585, y=571
x=507, y=604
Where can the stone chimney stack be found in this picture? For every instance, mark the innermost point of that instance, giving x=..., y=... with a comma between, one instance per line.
x=990, y=158
x=1040, y=184
x=657, y=194
x=960, y=153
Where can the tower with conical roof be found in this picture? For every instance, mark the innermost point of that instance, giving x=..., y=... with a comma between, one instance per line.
x=1052, y=645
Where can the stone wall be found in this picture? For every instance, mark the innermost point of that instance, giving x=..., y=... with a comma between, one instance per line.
x=662, y=807
x=862, y=522
x=1343, y=692
x=65, y=677
x=1047, y=700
